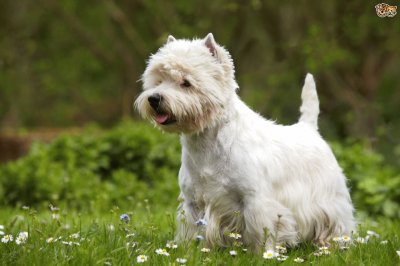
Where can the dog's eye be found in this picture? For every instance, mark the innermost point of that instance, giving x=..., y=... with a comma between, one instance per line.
x=186, y=83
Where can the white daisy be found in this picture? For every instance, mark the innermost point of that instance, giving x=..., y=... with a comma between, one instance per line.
x=384, y=242
x=74, y=236
x=161, y=251
x=362, y=240
x=130, y=235
x=281, y=249
x=205, y=250
x=233, y=253
x=7, y=238
x=282, y=258
x=269, y=254
x=21, y=238
x=181, y=260
x=372, y=233
x=298, y=260
x=141, y=258
x=235, y=235
x=171, y=245
x=50, y=240
x=346, y=238
x=1, y=227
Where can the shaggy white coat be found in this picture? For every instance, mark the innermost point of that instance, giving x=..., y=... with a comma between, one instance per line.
x=240, y=172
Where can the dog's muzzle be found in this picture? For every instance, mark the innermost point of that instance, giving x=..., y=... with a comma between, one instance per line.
x=161, y=117
x=155, y=101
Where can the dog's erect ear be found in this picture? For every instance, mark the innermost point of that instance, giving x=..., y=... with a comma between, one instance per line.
x=170, y=39
x=211, y=44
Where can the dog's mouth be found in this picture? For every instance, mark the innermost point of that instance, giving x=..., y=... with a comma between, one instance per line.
x=164, y=119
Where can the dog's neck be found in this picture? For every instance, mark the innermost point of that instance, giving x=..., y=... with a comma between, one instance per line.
x=217, y=133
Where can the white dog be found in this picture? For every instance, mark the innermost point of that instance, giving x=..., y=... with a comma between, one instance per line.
x=272, y=184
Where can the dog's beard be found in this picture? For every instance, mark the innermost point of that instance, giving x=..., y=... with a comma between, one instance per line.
x=178, y=112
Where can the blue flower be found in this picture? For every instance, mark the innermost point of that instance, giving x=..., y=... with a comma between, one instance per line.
x=199, y=238
x=125, y=218
x=201, y=222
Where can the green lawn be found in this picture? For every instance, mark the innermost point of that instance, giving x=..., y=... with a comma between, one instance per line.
x=102, y=239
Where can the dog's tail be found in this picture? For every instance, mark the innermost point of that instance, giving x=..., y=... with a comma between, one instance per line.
x=310, y=105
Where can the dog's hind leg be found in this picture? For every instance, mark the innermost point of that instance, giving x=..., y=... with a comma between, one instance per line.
x=268, y=223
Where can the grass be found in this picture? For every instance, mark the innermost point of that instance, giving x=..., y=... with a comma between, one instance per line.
x=103, y=240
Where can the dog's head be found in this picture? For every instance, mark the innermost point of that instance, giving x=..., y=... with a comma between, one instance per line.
x=186, y=85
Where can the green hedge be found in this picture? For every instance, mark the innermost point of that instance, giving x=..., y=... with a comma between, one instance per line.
x=129, y=163
x=375, y=185
x=134, y=161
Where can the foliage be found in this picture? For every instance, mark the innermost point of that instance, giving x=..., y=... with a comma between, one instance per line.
x=375, y=186
x=134, y=161
x=131, y=162
x=68, y=59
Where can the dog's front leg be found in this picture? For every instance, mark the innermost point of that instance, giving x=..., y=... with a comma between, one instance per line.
x=187, y=216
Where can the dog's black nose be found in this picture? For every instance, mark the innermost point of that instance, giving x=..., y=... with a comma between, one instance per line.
x=155, y=100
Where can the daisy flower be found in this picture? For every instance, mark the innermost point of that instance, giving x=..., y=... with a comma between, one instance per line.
x=281, y=249
x=21, y=238
x=235, y=236
x=398, y=252
x=362, y=240
x=141, y=258
x=372, y=233
x=282, y=258
x=161, y=251
x=131, y=244
x=1, y=227
x=384, y=242
x=233, y=253
x=7, y=238
x=269, y=254
x=205, y=250
x=50, y=240
x=171, y=245
x=181, y=260
x=346, y=238
x=74, y=236
x=337, y=239
x=298, y=260
x=67, y=243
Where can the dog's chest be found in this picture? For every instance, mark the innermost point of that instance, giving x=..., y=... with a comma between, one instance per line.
x=205, y=173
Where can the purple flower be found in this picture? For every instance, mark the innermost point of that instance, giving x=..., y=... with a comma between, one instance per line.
x=201, y=222
x=125, y=218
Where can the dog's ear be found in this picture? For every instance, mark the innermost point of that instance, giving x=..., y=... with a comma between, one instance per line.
x=170, y=39
x=211, y=44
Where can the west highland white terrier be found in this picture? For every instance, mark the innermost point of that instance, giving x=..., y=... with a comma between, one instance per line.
x=241, y=173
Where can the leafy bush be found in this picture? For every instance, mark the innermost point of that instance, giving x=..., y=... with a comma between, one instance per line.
x=134, y=161
x=129, y=163
x=375, y=186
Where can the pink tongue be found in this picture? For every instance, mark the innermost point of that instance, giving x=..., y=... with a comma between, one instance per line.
x=161, y=118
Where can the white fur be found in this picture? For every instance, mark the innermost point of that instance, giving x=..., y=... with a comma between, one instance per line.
x=273, y=184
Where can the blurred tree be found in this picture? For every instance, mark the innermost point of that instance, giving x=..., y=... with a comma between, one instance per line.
x=69, y=62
